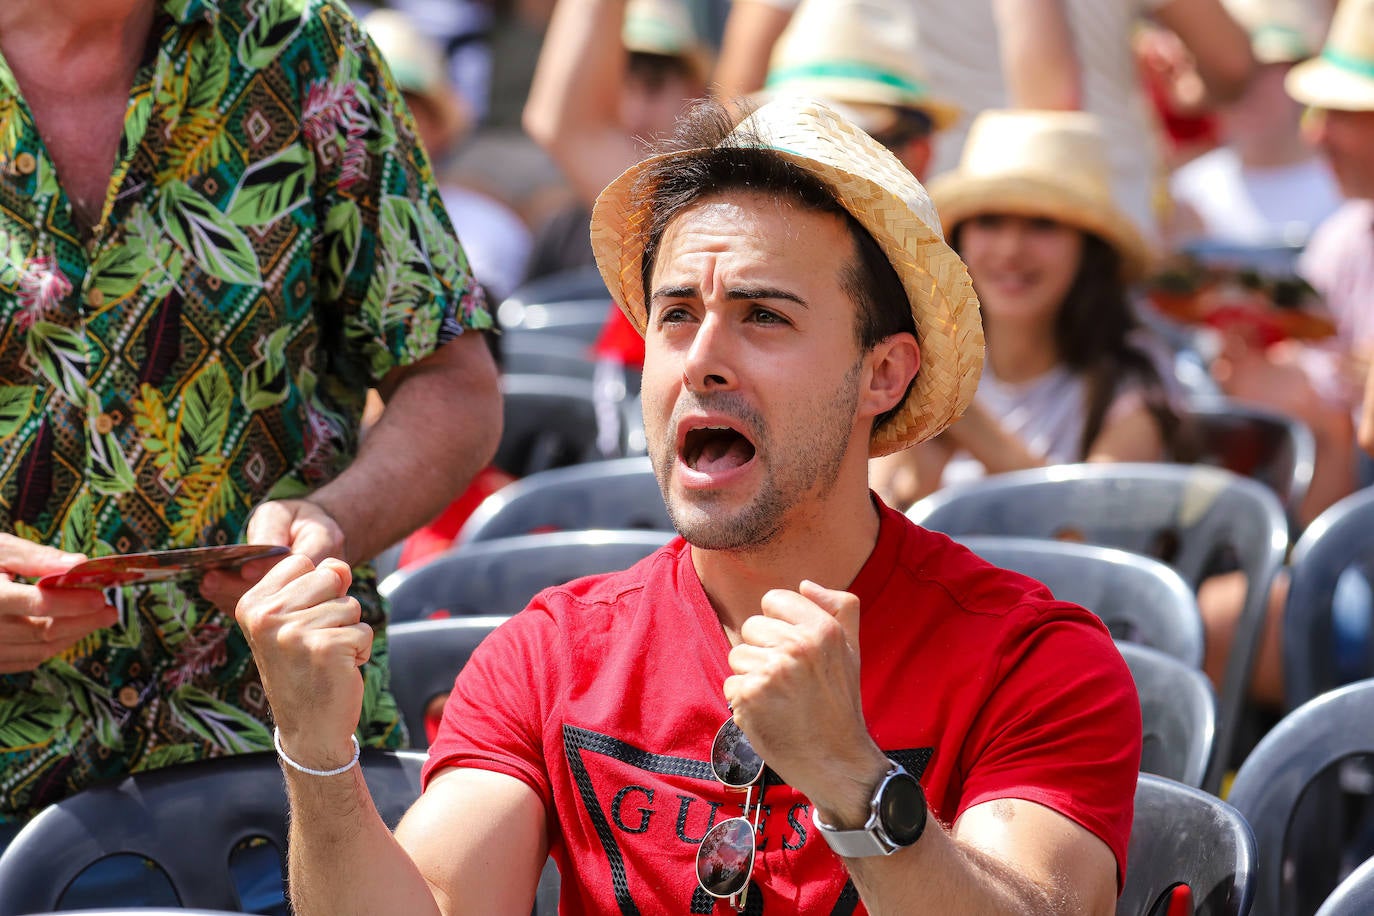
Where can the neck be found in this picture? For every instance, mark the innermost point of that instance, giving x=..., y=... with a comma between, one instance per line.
x=1284, y=148
x=829, y=546
x=90, y=37
x=1020, y=353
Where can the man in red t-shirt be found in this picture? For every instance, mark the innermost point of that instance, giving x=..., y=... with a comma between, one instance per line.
x=804, y=704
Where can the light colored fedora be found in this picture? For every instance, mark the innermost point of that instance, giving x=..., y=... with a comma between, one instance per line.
x=1281, y=31
x=664, y=27
x=417, y=65
x=1342, y=76
x=1050, y=164
x=860, y=56
x=887, y=200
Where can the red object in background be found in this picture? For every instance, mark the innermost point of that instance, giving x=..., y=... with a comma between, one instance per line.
x=620, y=341
x=1180, y=899
x=438, y=535
x=1185, y=132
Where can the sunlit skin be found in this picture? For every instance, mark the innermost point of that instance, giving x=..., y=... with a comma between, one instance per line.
x=750, y=328
x=1347, y=140
x=650, y=111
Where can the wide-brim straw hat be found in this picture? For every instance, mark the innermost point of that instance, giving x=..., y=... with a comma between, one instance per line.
x=887, y=200
x=1281, y=31
x=664, y=28
x=861, y=54
x=417, y=66
x=1050, y=164
x=1342, y=76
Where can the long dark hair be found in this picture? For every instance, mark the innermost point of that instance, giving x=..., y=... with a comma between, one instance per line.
x=1092, y=334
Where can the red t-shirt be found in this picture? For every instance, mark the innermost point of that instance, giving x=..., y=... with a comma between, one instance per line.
x=605, y=693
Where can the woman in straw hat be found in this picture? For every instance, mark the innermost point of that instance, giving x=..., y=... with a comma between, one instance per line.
x=1030, y=211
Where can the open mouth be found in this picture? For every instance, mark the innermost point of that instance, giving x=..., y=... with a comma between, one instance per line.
x=713, y=449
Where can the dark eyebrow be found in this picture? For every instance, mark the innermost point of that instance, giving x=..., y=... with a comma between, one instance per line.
x=690, y=292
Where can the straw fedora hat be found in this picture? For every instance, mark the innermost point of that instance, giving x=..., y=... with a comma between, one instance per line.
x=664, y=27
x=1040, y=163
x=417, y=65
x=888, y=201
x=1342, y=76
x=1281, y=31
x=860, y=56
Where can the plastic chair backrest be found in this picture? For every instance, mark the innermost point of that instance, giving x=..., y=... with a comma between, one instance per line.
x=426, y=655
x=1178, y=713
x=544, y=354
x=621, y=494
x=1305, y=744
x=1181, y=835
x=1264, y=445
x=576, y=319
x=1139, y=599
x=501, y=576
x=1354, y=896
x=1341, y=536
x=187, y=819
x=548, y=422
x=1186, y=516
x=563, y=286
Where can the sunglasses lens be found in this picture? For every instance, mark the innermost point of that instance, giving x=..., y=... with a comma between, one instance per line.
x=725, y=858
x=733, y=758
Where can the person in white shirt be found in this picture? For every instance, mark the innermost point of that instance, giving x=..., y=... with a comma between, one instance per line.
x=1264, y=186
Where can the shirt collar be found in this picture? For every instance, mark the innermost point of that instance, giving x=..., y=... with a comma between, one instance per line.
x=186, y=12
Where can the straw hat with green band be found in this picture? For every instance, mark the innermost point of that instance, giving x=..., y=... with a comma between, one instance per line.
x=1050, y=164
x=1281, y=31
x=887, y=200
x=417, y=66
x=855, y=53
x=664, y=27
x=1342, y=76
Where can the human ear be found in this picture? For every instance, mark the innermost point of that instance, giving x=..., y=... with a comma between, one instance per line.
x=893, y=363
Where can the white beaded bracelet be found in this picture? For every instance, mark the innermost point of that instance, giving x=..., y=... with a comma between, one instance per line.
x=357, y=752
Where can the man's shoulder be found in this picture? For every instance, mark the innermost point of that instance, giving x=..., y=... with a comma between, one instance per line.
x=586, y=598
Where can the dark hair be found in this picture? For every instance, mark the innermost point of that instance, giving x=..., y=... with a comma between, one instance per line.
x=1092, y=334
x=656, y=70
x=910, y=124
x=672, y=186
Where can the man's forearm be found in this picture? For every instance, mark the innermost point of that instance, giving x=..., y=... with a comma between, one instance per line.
x=941, y=875
x=342, y=857
x=1039, y=60
x=440, y=427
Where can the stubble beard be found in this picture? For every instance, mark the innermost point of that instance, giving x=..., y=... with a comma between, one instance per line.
x=812, y=473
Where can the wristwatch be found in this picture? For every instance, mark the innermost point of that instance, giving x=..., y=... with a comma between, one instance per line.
x=896, y=819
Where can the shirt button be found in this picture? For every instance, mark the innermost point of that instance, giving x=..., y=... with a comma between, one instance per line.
x=95, y=298
x=104, y=423
x=24, y=163
x=128, y=696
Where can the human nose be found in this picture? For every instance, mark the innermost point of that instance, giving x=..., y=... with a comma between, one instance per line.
x=708, y=363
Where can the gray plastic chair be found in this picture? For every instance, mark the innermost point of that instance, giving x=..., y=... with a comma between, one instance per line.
x=575, y=319
x=426, y=655
x=1283, y=769
x=565, y=285
x=501, y=576
x=542, y=354
x=1275, y=449
x=548, y=422
x=1340, y=537
x=1178, y=714
x=1181, y=835
x=187, y=819
x=1139, y=599
x=1190, y=517
x=1354, y=896
x=619, y=494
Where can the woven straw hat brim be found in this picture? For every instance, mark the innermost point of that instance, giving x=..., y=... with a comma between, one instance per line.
x=1323, y=84
x=943, y=303
x=962, y=197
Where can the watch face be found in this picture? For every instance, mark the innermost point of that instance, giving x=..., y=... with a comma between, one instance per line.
x=902, y=809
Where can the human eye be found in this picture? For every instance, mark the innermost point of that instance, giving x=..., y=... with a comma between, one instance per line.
x=672, y=314
x=760, y=315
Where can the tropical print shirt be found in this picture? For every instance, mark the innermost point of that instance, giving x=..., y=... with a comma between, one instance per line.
x=271, y=244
